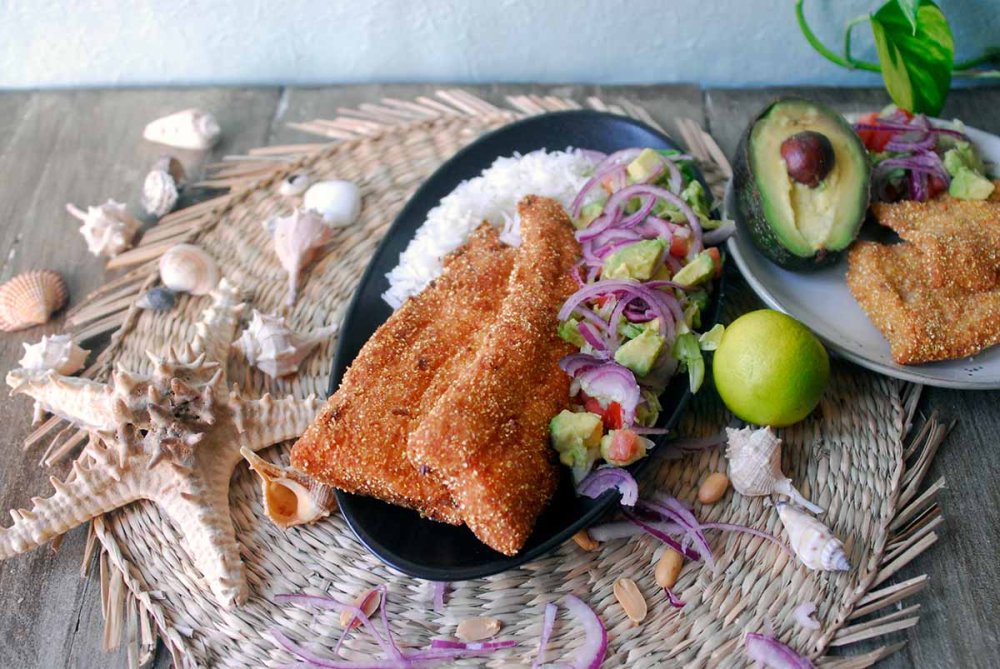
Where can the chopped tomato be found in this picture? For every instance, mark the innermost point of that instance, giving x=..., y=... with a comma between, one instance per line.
x=613, y=416
x=601, y=300
x=717, y=259
x=593, y=406
x=874, y=139
x=624, y=446
x=678, y=247
x=936, y=186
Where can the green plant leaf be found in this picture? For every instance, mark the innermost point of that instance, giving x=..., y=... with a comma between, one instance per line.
x=909, y=9
x=916, y=66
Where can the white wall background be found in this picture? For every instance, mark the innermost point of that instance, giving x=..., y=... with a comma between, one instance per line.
x=58, y=43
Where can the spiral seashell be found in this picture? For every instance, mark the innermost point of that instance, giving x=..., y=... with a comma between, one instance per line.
x=157, y=299
x=58, y=353
x=755, y=465
x=297, y=240
x=289, y=497
x=812, y=541
x=187, y=268
x=274, y=348
x=338, y=202
x=30, y=299
x=160, y=190
x=189, y=129
x=294, y=184
x=108, y=228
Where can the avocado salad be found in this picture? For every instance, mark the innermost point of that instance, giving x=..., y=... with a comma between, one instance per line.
x=646, y=231
x=915, y=160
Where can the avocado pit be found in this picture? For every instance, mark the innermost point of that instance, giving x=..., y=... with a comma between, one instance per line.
x=808, y=156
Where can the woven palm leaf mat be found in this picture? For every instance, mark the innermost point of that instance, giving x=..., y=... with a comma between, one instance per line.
x=851, y=457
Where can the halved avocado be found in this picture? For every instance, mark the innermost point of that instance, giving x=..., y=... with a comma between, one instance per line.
x=801, y=180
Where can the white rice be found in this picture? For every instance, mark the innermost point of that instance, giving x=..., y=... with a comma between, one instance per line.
x=492, y=196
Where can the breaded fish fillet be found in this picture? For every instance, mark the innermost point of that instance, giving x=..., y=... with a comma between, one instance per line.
x=358, y=441
x=959, y=239
x=487, y=437
x=922, y=322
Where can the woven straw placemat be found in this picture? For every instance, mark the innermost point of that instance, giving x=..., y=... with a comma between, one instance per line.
x=849, y=457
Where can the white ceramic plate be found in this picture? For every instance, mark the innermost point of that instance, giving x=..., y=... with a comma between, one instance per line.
x=822, y=301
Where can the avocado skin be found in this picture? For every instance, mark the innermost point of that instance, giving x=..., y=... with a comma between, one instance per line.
x=750, y=204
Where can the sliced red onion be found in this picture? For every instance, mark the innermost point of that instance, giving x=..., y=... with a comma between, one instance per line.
x=450, y=644
x=884, y=125
x=612, y=383
x=587, y=332
x=624, y=529
x=440, y=587
x=671, y=509
x=591, y=654
x=650, y=529
x=315, y=660
x=730, y=527
x=576, y=363
x=773, y=654
x=548, y=623
x=720, y=234
x=328, y=603
x=673, y=599
x=805, y=615
x=616, y=161
x=603, y=479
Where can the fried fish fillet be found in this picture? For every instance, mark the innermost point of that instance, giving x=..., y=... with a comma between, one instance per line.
x=358, y=441
x=922, y=322
x=959, y=239
x=487, y=435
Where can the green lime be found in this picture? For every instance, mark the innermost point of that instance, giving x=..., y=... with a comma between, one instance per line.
x=770, y=369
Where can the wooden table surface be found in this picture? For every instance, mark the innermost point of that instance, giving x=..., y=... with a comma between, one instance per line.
x=85, y=146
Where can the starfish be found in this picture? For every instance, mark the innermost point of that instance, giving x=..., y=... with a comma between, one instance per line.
x=173, y=437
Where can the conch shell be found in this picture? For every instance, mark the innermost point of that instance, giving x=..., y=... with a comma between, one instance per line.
x=56, y=352
x=297, y=240
x=30, y=299
x=338, y=202
x=294, y=184
x=108, y=228
x=755, y=465
x=187, y=268
x=160, y=189
x=188, y=129
x=812, y=541
x=274, y=348
x=289, y=497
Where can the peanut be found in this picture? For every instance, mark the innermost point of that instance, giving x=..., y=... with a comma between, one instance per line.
x=632, y=602
x=368, y=601
x=478, y=629
x=668, y=568
x=713, y=488
x=584, y=541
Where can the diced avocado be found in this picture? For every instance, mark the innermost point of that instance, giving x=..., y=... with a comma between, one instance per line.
x=645, y=165
x=649, y=409
x=662, y=273
x=709, y=341
x=569, y=330
x=697, y=271
x=701, y=204
x=687, y=350
x=692, y=316
x=968, y=185
x=634, y=261
x=576, y=437
x=639, y=447
x=640, y=353
x=801, y=178
x=699, y=297
x=962, y=157
x=632, y=330
x=588, y=214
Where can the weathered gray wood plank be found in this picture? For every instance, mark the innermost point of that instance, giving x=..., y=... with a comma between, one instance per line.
x=961, y=606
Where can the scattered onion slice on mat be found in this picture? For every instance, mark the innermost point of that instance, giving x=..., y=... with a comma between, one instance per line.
x=730, y=527
x=450, y=644
x=673, y=599
x=805, y=615
x=773, y=654
x=591, y=654
x=548, y=622
x=669, y=508
x=440, y=587
x=604, y=479
x=623, y=529
x=650, y=529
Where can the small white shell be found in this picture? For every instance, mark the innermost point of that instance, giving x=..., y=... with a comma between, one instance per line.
x=338, y=202
x=297, y=240
x=108, y=228
x=160, y=189
x=812, y=541
x=54, y=352
x=188, y=268
x=188, y=129
x=294, y=184
x=275, y=349
x=755, y=465
x=289, y=497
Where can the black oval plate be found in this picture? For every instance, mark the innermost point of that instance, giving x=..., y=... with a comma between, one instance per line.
x=400, y=537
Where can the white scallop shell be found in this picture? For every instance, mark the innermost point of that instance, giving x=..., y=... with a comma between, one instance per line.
x=294, y=184
x=274, y=348
x=289, y=497
x=755, y=465
x=188, y=268
x=812, y=541
x=338, y=202
x=297, y=240
x=108, y=228
x=188, y=129
x=54, y=352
